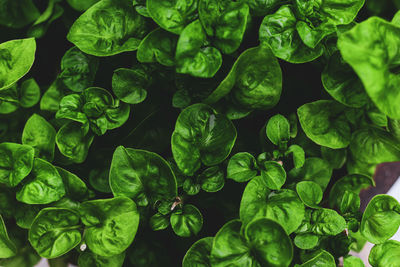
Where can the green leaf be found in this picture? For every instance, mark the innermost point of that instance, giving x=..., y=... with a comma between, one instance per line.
x=75, y=188
x=193, y=56
x=107, y=28
x=141, y=175
x=43, y=185
x=283, y=206
x=81, y=5
x=278, y=129
x=340, y=12
x=212, y=179
x=381, y=219
x=29, y=93
x=373, y=145
x=16, y=162
x=335, y=157
x=111, y=224
x=352, y=261
x=172, y=15
x=349, y=202
x=73, y=143
x=342, y=83
x=261, y=7
x=78, y=69
x=51, y=99
x=187, y=221
x=130, y=85
x=158, y=46
x=265, y=243
x=273, y=174
x=159, y=222
x=376, y=68
x=323, y=121
x=323, y=259
x=310, y=193
x=25, y=214
x=278, y=31
x=242, y=167
x=54, y=232
x=225, y=21
x=98, y=179
x=191, y=187
x=199, y=253
x=40, y=135
x=386, y=254
x=327, y=222
x=88, y=259
x=201, y=135
x=18, y=14
x=252, y=84
x=314, y=169
x=306, y=241
x=299, y=156
x=7, y=247
x=16, y=59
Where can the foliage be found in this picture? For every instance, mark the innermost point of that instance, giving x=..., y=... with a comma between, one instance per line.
x=172, y=132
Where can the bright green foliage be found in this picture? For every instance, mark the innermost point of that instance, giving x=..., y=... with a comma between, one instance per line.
x=198, y=132
x=242, y=167
x=187, y=221
x=78, y=69
x=54, y=232
x=201, y=136
x=16, y=59
x=43, y=185
x=198, y=253
x=381, y=219
x=264, y=243
x=251, y=83
x=88, y=259
x=141, y=175
x=310, y=193
x=108, y=28
x=130, y=85
x=111, y=224
x=386, y=254
x=324, y=123
x=41, y=135
x=193, y=56
x=7, y=247
x=16, y=162
x=172, y=15
x=284, y=206
x=377, y=70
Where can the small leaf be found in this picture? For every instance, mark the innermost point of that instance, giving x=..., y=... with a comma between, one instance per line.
x=242, y=167
x=187, y=222
x=278, y=129
x=274, y=175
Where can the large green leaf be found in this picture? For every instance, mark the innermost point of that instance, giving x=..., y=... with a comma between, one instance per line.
x=283, y=206
x=111, y=224
x=54, y=232
x=264, y=243
x=16, y=162
x=43, y=185
x=16, y=59
x=141, y=175
x=252, y=83
x=372, y=50
x=201, y=135
x=381, y=219
x=323, y=121
x=41, y=135
x=107, y=28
